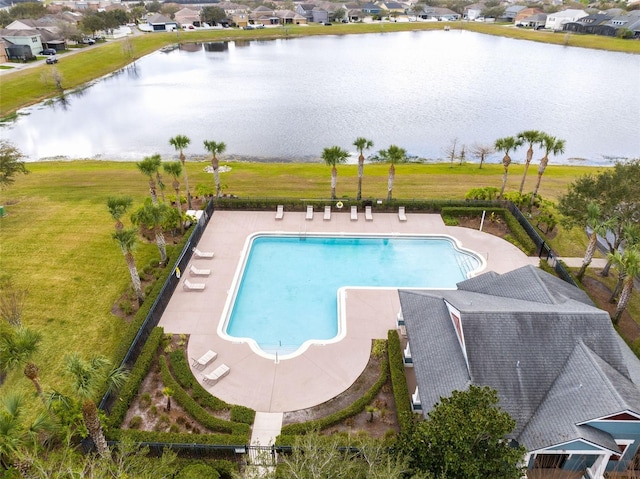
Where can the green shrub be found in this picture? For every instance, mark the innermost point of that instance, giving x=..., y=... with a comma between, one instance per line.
x=135, y=422
x=379, y=348
x=198, y=471
x=145, y=400
x=185, y=378
x=194, y=409
x=136, y=376
x=181, y=438
x=450, y=220
x=398, y=378
x=242, y=414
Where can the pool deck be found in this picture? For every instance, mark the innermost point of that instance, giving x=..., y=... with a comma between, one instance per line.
x=322, y=371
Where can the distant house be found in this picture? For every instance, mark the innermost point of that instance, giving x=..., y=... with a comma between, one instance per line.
x=305, y=9
x=534, y=21
x=561, y=371
x=392, y=8
x=555, y=21
x=511, y=12
x=22, y=44
x=50, y=34
x=588, y=24
x=629, y=21
x=186, y=17
x=371, y=9
x=474, y=11
x=161, y=23
x=528, y=12
x=264, y=15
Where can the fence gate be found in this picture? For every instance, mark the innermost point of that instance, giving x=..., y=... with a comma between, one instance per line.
x=262, y=455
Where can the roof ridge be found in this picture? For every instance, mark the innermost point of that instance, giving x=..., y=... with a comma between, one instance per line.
x=603, y=375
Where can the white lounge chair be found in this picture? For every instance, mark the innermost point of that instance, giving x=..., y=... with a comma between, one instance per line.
x=309, y=213
x=202, y=254
x=220, y=372
x=354, y=213
x=401, y=214
x=327, y=213
x=204, y=360
x=368, y=215
x=280, y=212
x=193, y=271
x=189, y=286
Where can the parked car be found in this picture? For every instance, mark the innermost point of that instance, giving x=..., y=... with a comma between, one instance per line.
x=52, y=59
x=48, y=51
x=248, y=27
x=88, y=41
x=327, y=24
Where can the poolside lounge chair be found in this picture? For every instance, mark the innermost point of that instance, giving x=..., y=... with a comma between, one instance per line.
x=327, y=213
x=202, y=254
x=401, y=215
x=354, y=213
x=309, y=213
x=193, y=271
x=368, y=215
x=204, y=360
x=220, y=372
x=189, y=286
x=280, y=212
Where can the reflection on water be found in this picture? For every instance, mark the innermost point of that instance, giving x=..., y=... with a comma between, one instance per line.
x=290, y=98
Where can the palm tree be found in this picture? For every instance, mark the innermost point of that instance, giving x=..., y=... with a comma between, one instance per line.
x=361, y=144
x=88, y=378
x=174, y=169
x=168, y=392
x=333, y=156
x=15, y=433
x=628, y=263
x=154, y=217
x=215, y=148
x=506, y=144
x=150, y=167
x=393, y=155
x=598, y=226
x=118, y=206
x=631, y=238
x=551, y=144
x=180, y=142
x=531, y=137
x=126, y=239
x=17, y=347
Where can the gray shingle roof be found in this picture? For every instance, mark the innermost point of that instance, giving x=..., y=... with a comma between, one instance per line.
x=532, y=339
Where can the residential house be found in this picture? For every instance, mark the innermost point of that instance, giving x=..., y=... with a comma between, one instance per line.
x=187, y=17
x=526, y=13
x=629, y=21
x=588, y=24
x=23, y=44
x=264, y=15
x=473, y=11
x=237, y=14
x=392, y=8
x=161, y=23
x=511, y=12
x=555, y=21
x=289, y=17
x=50, y=33
x=371, y=9
x=305, y=9
x=561, y=371
x=536, y=21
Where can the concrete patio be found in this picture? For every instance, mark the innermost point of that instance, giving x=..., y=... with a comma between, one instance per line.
x=322, y=371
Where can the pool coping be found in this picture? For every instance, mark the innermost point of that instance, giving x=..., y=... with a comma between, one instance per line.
x=340, y=293
x=322, y=371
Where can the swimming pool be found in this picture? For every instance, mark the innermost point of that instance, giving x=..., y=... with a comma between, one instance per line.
x=286, y=290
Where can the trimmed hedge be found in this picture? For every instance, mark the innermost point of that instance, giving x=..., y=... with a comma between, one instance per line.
x=136, y=376
x=291, y=204
x=195, y=410
x=182, y=438
x=398, y=379
x=332, y=419
x=184, y=376
x=519, y=235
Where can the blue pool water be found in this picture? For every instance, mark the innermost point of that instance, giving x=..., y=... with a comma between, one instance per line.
x=288, y=288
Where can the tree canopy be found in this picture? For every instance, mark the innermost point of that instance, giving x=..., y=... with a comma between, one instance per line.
x=465, y=437
x=11, y=163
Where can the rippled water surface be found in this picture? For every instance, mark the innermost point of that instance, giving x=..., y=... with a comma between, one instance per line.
x=290, y=98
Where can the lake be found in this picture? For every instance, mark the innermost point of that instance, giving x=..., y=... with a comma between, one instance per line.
x=288, y=99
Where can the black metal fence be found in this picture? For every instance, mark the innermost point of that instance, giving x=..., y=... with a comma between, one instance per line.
x=161, y=302
x=544, y=250
x=267, y=455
